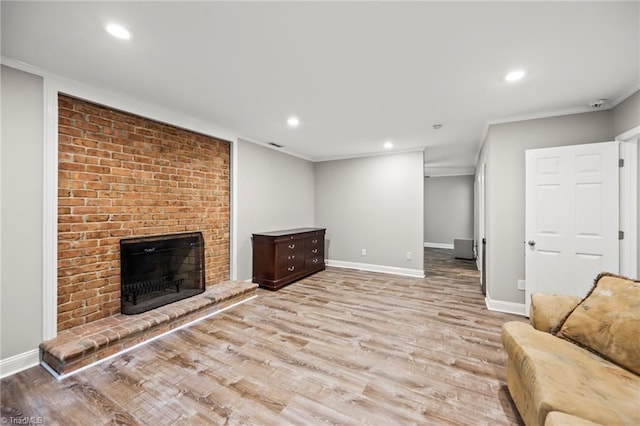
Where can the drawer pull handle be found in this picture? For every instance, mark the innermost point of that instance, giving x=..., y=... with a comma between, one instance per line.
x=315, y=260
x=292, y=246
x=314, y=251
x=291, y=268
x=291, y=257
x=314, y=241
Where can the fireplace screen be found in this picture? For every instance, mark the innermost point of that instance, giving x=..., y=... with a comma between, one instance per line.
x=158, y=270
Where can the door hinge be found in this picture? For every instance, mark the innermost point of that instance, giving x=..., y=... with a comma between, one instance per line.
x=621, y=235
x=621, y=162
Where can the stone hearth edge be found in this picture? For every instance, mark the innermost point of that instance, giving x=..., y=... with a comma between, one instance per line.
x=86, y=344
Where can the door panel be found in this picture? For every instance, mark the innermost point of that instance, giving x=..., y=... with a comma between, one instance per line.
x=549, y=198
x=571, y=221
x=587, y=267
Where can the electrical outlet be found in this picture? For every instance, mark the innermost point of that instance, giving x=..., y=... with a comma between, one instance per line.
x=364, y=252
x=409, y=255
x=521, y=284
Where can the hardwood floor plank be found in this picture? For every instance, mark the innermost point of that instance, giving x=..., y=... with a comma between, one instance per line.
x=339, y=347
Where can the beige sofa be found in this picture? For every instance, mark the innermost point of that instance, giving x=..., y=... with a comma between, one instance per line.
x=578, y=361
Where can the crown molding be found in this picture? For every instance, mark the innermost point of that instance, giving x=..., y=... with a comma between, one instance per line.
x=552, y=113
x=274, y=148
x=118, y=100
x=623, y=97
x=371, y=154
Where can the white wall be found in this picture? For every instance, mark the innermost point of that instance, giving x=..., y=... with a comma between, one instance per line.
x=448, y=209
x=275, y=191
x=373, y=203
x=21, y=193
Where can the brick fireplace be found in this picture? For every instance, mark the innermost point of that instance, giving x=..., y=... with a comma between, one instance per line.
x=125, y=176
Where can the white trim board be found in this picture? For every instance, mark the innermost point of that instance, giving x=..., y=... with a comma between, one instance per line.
x=505, y=307
x=439, y=245
x=394, y=270
x=17, y=363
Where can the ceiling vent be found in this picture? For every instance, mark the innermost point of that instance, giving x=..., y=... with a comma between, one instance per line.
x=598, y=103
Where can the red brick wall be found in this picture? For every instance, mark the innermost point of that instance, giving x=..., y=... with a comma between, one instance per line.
x=123, y=176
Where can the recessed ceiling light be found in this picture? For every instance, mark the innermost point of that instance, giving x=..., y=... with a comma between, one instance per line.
x=118, y=31
x=293, y=121
x=514, y=75
x=388, y=145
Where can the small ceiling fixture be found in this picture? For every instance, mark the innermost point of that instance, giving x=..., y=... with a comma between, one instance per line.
x=598, y=103
x=293, y=121
x=514, y=75
x=437, y=126
x=388, y=145
x=118, y=31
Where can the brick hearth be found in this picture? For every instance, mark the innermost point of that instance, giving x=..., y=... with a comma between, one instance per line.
x=82, y=345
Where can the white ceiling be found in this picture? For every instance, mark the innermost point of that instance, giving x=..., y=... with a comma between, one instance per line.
x=356, y=74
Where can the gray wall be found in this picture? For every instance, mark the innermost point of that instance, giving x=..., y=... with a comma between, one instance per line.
x=448, y=209
x=505, y=180
x=626, y=115
x=275, y=191
x=374, y=203
x=21, y=194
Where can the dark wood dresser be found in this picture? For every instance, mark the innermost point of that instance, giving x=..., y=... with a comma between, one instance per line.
x=282, y=257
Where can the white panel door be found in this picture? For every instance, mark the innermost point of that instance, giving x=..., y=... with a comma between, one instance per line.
x=571, y=224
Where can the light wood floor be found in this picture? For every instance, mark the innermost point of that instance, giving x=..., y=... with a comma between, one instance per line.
x=340, y=347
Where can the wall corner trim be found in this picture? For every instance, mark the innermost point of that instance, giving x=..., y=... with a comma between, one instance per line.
x=17, y=363
x=505, y=307
x=394, y=270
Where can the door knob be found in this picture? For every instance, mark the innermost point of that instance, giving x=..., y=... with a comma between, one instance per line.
x=531, y=243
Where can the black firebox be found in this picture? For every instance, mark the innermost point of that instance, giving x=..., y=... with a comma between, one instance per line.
x=159, y=270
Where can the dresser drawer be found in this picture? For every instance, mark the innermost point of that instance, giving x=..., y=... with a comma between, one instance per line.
x=286, y=258
x=315, y=240
x=289, y=268
x=314, y=245
x=313, y=251
x=314, y=262
x=289, y=251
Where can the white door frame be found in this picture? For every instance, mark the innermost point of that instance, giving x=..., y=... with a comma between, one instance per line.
x=629, y=202
x=481, y=215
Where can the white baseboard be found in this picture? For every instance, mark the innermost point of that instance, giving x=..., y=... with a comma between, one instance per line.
x=439, y=245
x=417, y=273
x=17, y=363
x=506, y=307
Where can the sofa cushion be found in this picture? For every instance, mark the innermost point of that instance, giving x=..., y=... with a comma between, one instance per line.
x=561, y=376
x=548, y=311
x=607, y=321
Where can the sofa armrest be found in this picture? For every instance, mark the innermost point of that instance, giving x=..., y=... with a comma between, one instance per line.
x=548, y=310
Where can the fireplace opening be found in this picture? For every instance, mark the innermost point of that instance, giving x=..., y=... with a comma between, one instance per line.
x=158, y=270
